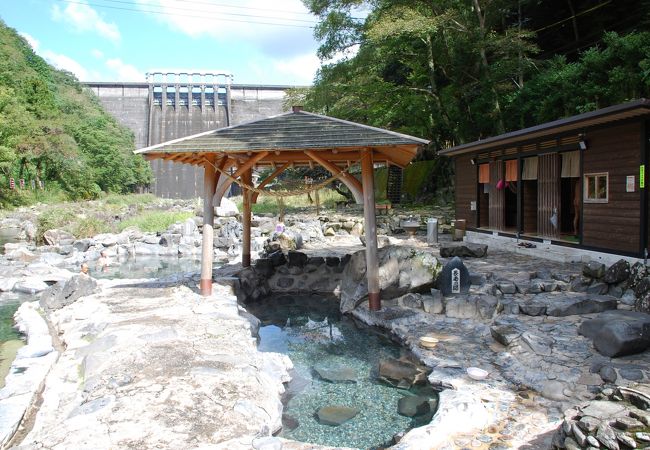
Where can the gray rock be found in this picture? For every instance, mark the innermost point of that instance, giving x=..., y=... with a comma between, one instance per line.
x=465, y=249
x=580, y=284
x=541, y=345
x=413, y=405
x=335, y=415
x=571, y=444
x=617, y=272
x=505, y=334
x=297, y=259
x=638, y=271
x=631, y=374
x=593, y=442
x=628, y=424
x=607, y=437
x=285, y=282
x=507, y=287
x=410, y=300
x=579, y=436
x=569, y=306
x=598, y=288
x=618, y=333
x=266, y=442
x=608, y=374
x=336, y=373
x=626, y=440
x=57, y=237
x=533, y=308
x=593, y=269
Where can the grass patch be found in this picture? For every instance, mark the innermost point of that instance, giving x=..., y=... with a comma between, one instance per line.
x=153, y=221
x=89, y=226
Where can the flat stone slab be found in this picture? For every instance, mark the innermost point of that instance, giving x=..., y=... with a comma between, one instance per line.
x=336, y=374
x=567, y=304
x=335, y=415
x=463, y=250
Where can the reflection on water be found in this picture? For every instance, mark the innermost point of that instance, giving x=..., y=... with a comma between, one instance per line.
x=8, y=235
x=141, y=267
x=311, y=330
x=10, y=339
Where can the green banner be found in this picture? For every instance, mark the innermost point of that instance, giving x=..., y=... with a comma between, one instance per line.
x=642, y=176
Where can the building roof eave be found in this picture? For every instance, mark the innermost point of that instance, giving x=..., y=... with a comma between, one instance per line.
x=623, y=111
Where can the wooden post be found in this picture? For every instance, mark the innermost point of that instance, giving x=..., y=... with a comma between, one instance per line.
x=370, y=226
x=207, y=252
x=246, y=220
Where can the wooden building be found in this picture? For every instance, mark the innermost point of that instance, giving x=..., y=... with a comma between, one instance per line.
x=578, y=181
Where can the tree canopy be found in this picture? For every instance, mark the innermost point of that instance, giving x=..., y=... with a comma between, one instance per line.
x=54, y=130
x=456, y=71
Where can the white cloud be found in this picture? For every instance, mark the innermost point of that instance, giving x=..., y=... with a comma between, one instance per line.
x=246, y=21
x=31, y=40
x=65, y=63
x=299, y=70
x=122, y=71
x=97, y=53
x=83, y=18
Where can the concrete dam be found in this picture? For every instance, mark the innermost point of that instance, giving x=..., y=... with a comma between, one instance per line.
x=170, y=106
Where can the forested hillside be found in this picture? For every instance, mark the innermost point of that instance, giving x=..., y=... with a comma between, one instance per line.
x=456, y=71
x=52, y=130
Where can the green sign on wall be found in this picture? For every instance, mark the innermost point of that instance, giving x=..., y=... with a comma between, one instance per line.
x=642, y=176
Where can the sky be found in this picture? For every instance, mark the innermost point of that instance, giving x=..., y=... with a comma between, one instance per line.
x=257, y=41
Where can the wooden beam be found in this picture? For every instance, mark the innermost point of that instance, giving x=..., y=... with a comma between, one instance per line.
x=246, y=178
x=268, y=179
x=223, y=187
x=352, y=183
x=370, y=229
x=207, y=252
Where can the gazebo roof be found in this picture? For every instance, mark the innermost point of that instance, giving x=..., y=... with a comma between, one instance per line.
x=286, y=137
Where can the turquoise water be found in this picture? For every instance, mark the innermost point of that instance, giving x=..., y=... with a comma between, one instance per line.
x=7, y=310
x=312, y=332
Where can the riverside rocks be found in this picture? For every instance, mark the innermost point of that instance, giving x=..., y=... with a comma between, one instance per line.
x=611, y=422
x=142, y=359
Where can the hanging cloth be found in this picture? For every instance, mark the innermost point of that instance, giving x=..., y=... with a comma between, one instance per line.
x=530, y=168
x=570, y=164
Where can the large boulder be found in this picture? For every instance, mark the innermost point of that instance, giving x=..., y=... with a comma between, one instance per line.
x=227, y=208
x=466, y=249
x=401, y=270
x=58, y=237
x=67, y=292
x=618, y=333
x=617, y=272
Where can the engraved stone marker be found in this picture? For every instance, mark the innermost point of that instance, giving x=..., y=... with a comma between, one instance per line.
x=454, y=278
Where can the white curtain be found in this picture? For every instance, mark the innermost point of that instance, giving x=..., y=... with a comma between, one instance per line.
x=570, y=164
x=530, y=168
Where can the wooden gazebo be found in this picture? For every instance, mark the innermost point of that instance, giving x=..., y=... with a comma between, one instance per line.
x=296, y=138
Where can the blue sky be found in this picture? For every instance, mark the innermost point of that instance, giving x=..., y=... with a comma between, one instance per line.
x=121, y=40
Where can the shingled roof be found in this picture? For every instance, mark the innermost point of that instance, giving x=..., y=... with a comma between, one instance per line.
x=287, y=136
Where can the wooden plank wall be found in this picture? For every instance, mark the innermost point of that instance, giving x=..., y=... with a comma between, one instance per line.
x=614, y=225
x=548, y=194
x=466, y=180
x=529, y=193
x=497, y=196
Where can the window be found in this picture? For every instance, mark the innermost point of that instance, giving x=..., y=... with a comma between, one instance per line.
x=596, y=187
